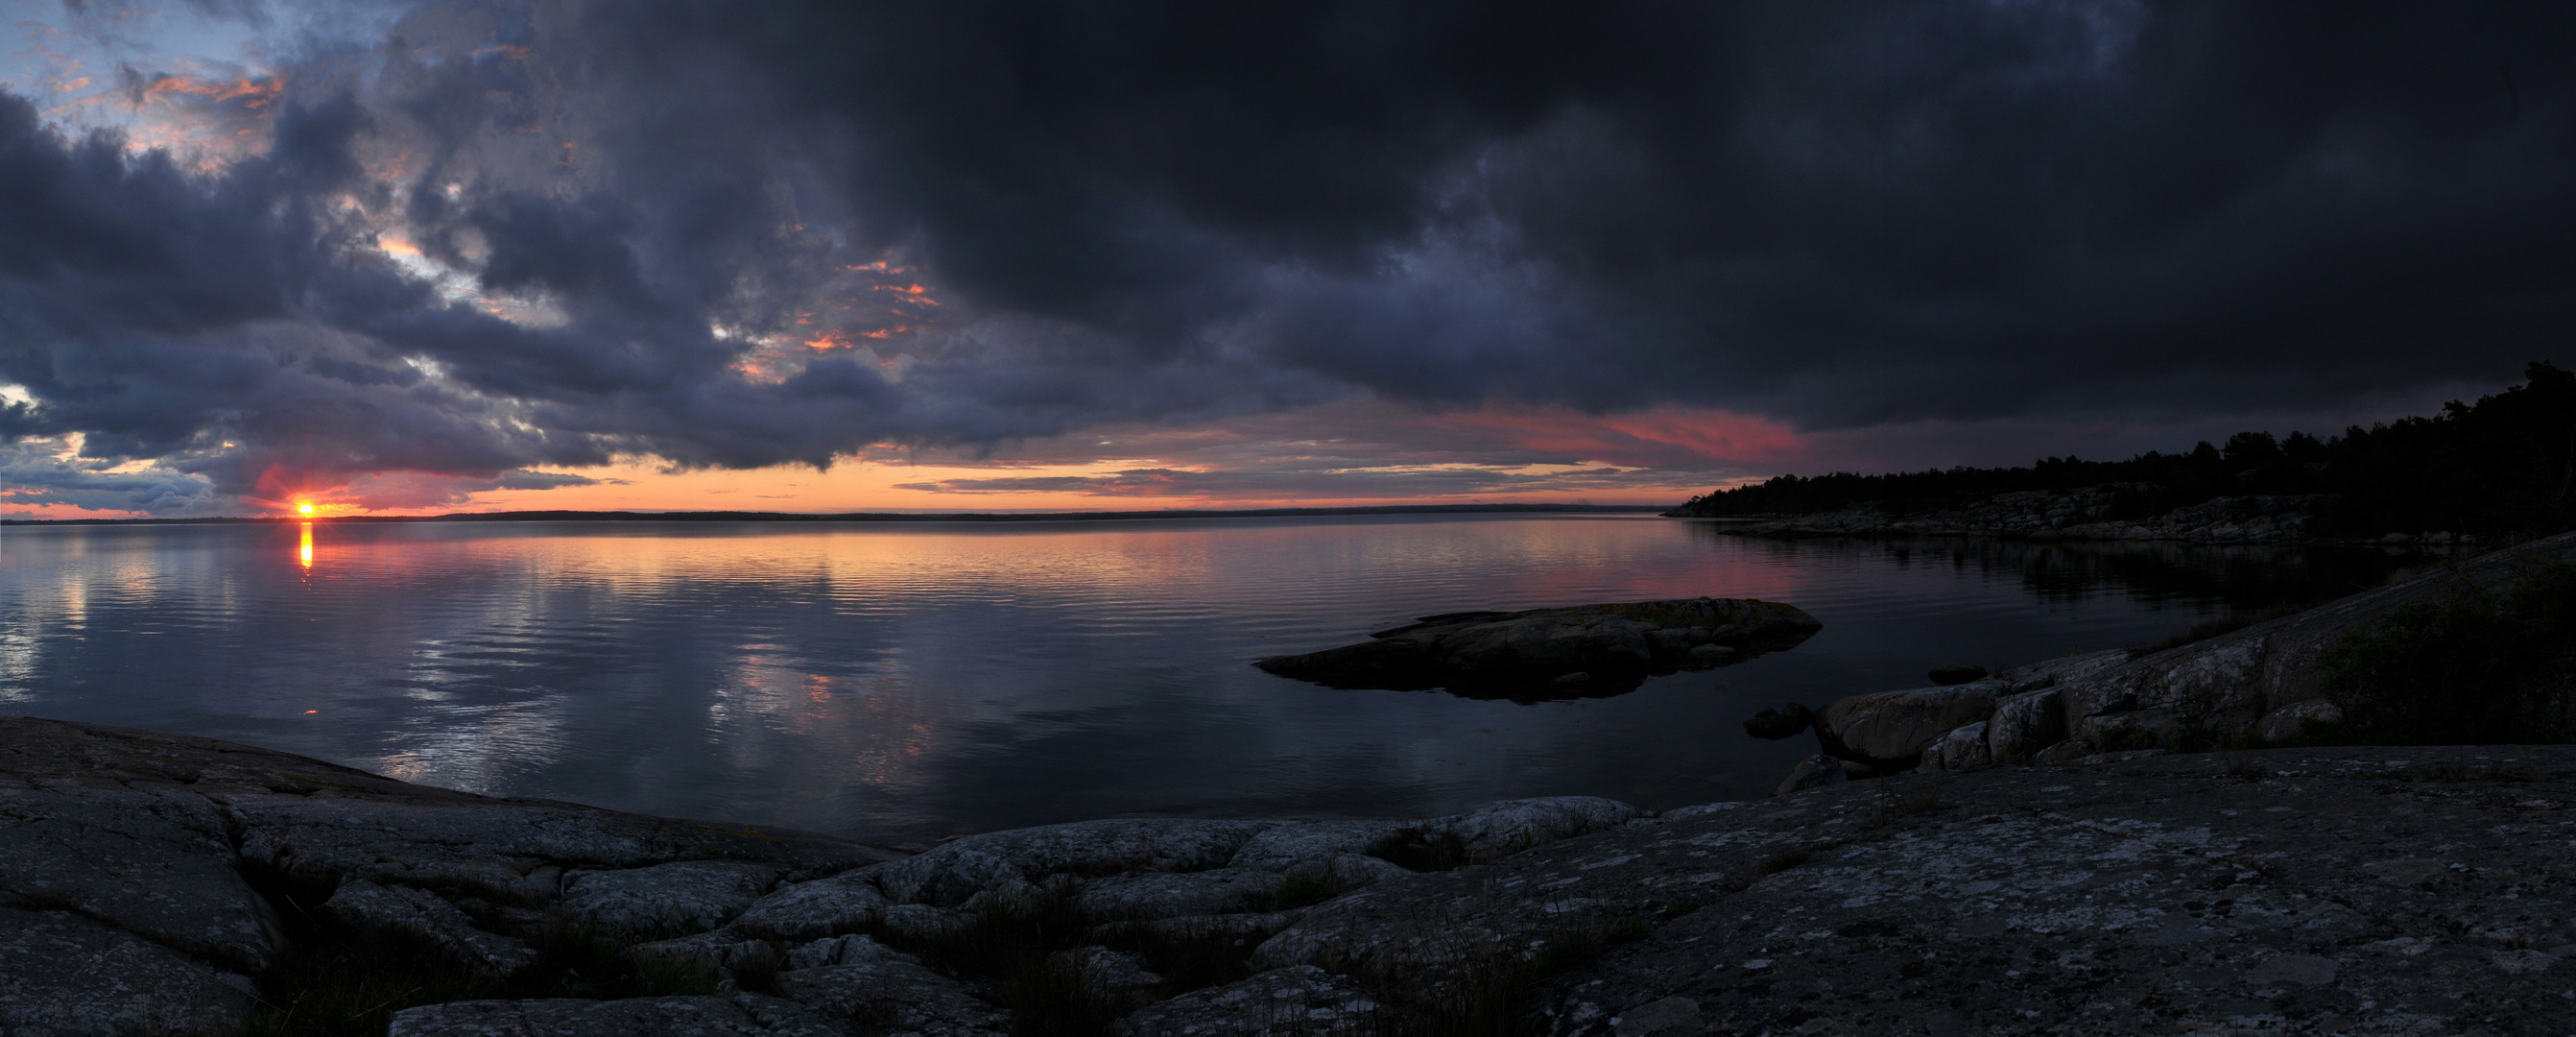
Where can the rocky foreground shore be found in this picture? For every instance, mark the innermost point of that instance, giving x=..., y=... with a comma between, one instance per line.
x=160, y=883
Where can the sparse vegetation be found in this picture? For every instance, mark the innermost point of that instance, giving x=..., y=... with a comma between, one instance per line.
x=1487, y=994
x=332, y=980
x=1417, y=850
x=1308, y=888
x=1009, y=946
x=2468, y=666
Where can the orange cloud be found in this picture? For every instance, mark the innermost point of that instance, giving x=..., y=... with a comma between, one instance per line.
x=1666, y=437
x=911, y=293
x=252, y=92
x=833, y=339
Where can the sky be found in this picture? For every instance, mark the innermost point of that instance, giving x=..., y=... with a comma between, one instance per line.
x=404, y=256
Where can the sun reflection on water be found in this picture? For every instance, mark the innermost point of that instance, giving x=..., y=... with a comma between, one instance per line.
x=305, y=553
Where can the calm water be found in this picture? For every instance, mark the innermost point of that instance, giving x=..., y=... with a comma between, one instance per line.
x=901, y=682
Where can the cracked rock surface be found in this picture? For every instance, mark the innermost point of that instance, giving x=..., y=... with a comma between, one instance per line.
x=2311, y=891
x=128, y=858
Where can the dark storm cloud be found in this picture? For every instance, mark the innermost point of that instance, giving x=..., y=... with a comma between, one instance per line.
x=738, y=235
x=1842, y=213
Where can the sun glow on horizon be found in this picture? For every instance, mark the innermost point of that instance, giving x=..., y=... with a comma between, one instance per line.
x=305, y=507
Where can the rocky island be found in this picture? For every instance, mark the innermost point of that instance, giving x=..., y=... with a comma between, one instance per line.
x=1582, y=646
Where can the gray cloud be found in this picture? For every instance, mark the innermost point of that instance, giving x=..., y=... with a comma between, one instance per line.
x=499, y=238
x=34, y=477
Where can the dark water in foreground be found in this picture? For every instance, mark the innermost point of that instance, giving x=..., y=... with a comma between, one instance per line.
x=900, y=682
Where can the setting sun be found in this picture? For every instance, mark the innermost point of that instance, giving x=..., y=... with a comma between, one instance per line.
x=305, y=508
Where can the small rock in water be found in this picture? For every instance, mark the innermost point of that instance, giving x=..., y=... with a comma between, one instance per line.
x=1956, y=673
x=1788, y=721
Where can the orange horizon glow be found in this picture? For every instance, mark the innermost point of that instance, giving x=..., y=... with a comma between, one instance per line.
x=1656, y=457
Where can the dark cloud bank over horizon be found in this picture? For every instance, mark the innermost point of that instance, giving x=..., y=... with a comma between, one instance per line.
x=1040, y=219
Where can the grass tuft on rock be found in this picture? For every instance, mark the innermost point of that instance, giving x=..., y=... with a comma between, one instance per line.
x=1417, y=850
x=1009, y=946
x=1308, y=888
x=2469, y=666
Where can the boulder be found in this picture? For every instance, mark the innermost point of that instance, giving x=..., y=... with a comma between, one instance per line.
x=2024, y=725
x=1498, y=829
x=741, y=1015
x=895, y=997
x=1311, y=845
x=427, y=917
x=1963, y=749
x=1956, y=673
x=1812, y=772
x=1788, y=721
x=1890, y=729
x=2290, y=721
x=1532, y=648
x=689, y=896
x=843, y=903
x=1299, y=1001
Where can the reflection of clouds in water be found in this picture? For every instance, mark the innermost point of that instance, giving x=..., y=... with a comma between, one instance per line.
x=905, y=681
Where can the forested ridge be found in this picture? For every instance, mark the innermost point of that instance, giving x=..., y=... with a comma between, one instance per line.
x=2502, y=466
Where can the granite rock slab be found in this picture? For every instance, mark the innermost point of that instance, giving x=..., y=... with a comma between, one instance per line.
x=689, y=896
x=62, y=974
x=2315, y=891
x=427, y=917
x=149, y=860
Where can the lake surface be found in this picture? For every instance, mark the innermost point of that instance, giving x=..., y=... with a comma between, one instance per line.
x=900, y=682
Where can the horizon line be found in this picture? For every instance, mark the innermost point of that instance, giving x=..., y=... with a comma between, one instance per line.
x=853, y=516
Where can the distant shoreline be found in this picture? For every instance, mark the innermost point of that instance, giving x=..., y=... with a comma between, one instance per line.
x=866, y=516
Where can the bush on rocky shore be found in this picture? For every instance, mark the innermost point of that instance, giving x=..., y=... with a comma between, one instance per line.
x=2470, y=666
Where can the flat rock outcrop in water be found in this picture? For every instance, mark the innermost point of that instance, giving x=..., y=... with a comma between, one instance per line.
x=1559, y=649
x=2287, y=891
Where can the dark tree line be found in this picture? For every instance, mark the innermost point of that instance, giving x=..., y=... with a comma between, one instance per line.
x=2500, y=467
